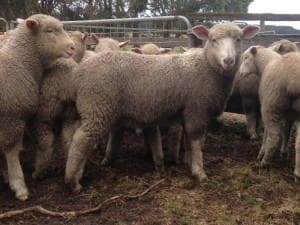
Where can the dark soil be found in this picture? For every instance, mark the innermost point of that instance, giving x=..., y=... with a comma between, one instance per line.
x=238, y=191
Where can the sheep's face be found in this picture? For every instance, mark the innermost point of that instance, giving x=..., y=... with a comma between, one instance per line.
x=49, y=36
x=79, y=40
x=284, y=46
x=223, y=43
x=248, y=64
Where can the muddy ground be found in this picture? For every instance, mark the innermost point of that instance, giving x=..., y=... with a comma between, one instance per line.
x=238, y=191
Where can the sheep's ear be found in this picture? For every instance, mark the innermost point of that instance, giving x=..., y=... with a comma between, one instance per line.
x=201, y=32
x=164, y=50
x=19, y=20
x=32, y=24
x=253, y=50
x=121, y=44
x=250, y=31
x=95, y=38
x=136, y=50
x=84, y=36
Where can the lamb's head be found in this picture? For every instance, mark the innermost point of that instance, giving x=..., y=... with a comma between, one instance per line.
x=223, y=43
x=255, y=59
x=150, y=49
x=79, y=40
x=284, y=46
x=49, y=37
x=107, y=44
x=249, y=61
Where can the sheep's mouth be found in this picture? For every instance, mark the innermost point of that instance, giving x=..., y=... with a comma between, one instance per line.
x=227, y=67
x=68, y=54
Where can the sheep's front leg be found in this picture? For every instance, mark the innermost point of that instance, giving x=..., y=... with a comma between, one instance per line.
x=15, y=172
x=297, y=157
x=195, y=143
x=272, y=142
x=262, y=148
x=153, y=138
x=45, y=148
x=113, y=146
x=174, y=141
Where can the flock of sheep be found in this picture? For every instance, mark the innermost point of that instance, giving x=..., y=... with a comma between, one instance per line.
x=48, y=77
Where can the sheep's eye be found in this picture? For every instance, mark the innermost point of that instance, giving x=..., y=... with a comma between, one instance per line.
x=49, y=30
x=238, y=40
x=214, y=40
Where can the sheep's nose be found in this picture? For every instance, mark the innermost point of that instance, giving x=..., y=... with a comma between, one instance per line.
x=229, y=61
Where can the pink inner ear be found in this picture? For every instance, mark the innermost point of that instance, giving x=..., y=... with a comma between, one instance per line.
x=201, y=32
x=95, y=38
x=250, y=31
x=31, y=24
x=85, y=34
x=136, y=50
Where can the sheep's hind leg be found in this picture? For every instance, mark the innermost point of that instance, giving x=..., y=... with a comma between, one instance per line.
x=83, y=141
x=113, y=146
x=152, y=136
x=284, y=150
x=45, y=142
x=15, y=172
x=297, y=157
x=272, y=142
x=174, y=141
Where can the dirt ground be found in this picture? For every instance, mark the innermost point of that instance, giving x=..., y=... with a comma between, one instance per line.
x=238, y=191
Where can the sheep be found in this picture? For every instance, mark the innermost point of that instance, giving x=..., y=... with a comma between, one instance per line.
x=152, y=138
x=55, y=102
x=150, y=49
x=279, y=97
x=107, y=44
x=54, y=105
x=104, y=44
x=254, y=61
x=245, y=92
x=35, y=44
x=143, y=90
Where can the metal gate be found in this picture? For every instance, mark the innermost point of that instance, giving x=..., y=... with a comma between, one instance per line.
x=165, y=31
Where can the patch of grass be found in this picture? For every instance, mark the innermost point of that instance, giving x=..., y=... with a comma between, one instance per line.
x=97, y=194
x=177, y=211
x=227, y=219
x=127, y=47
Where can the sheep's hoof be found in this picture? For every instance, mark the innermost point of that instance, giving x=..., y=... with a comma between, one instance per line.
x=39, y=175
x=22, y=195
x=106, y=162
x=265, y=164
x=285, y=155
x=160, y=169
x=73, y=186
x=253, y=137
x=260, y=156
x=200, y=178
